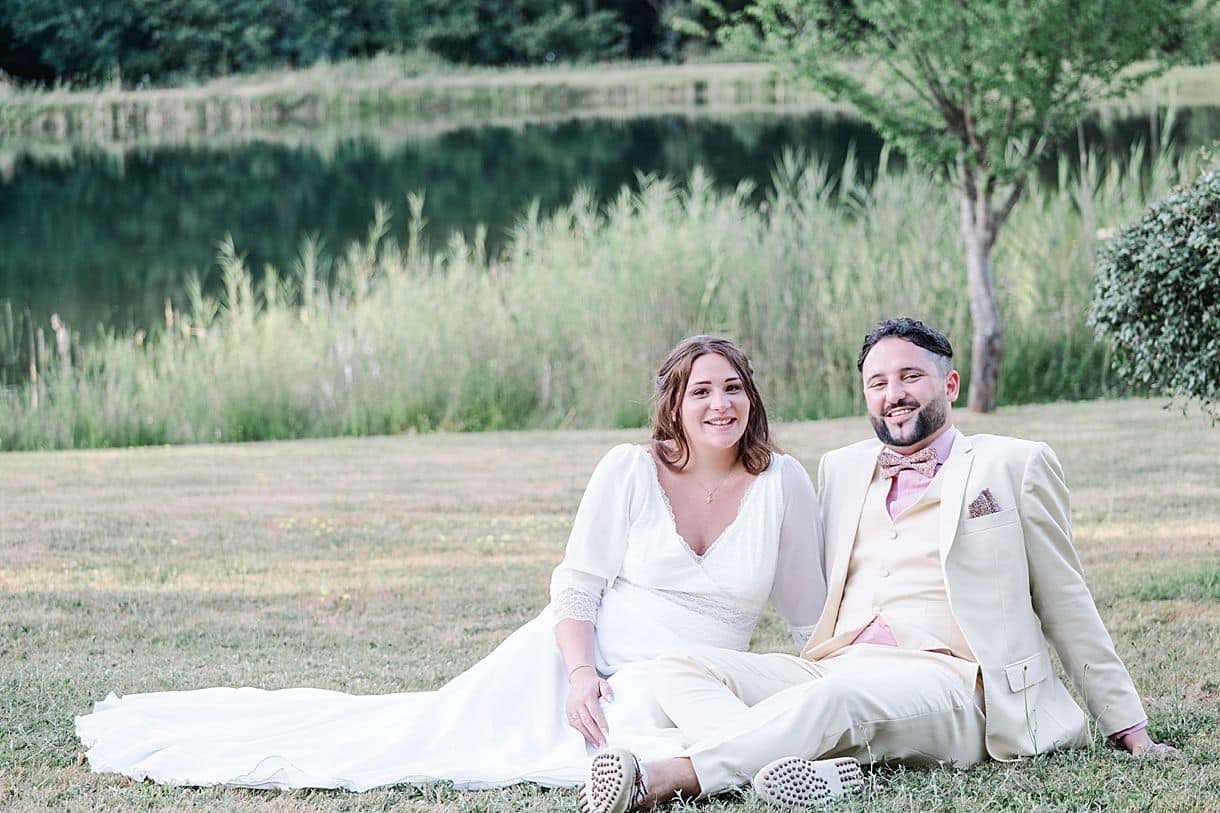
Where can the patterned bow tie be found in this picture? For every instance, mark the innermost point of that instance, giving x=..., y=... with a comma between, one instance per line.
x=924, y=461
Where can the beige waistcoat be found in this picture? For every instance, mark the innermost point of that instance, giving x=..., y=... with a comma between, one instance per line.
x=895, y=574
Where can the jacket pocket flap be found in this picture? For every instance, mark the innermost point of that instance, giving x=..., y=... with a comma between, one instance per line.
x=1026, y=672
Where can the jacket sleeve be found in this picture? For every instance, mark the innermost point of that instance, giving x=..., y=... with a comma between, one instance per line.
x=1062, y=600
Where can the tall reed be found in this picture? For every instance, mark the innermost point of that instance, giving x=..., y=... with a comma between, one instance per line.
x=565, y=326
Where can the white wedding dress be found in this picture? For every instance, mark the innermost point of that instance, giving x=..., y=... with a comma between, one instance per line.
x=502, y=721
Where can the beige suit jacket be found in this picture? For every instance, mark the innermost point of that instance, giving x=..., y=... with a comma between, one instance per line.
x=1014, y=583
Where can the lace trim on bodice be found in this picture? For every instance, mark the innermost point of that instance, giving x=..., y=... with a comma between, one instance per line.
x=735, y=618
x=576, y=604
x=673, y=520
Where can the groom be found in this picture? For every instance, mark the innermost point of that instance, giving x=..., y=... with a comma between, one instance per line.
x=951, y=568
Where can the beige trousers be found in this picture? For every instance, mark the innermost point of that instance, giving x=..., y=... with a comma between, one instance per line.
x=741, y=710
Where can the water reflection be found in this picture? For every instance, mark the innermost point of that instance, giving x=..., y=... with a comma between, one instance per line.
x=105, y=238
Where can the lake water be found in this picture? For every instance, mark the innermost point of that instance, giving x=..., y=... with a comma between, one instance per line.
x=103, y=239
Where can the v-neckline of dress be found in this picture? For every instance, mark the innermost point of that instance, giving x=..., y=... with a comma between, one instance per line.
x=673, y=521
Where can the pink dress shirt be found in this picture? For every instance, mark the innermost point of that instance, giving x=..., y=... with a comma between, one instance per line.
x=905, y=490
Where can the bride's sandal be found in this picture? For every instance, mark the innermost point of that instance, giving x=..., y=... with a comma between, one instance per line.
x=616, y=783
x=793, y=782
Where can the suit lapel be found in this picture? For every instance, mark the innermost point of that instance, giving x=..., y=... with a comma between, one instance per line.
x=954, y=475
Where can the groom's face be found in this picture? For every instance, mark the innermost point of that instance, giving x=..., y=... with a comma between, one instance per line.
x=908, y=392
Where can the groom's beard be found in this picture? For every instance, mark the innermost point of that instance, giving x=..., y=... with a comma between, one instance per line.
x=931, y=418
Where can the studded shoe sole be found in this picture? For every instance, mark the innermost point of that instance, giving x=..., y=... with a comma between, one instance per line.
x=793, y=782
x=614, y=783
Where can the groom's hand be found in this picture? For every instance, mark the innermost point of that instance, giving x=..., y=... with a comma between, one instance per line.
x=1139, y=744
x=584, y=709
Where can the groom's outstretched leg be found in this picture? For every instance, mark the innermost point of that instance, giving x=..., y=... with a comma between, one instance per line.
x=705, y=689
x=874, y=704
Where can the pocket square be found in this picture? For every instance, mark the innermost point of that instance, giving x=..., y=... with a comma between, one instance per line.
x=983, y=504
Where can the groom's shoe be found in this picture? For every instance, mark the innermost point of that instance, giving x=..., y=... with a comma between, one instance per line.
x=615, y=783
x=795, y=782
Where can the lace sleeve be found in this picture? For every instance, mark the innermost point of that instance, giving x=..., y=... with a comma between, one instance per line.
x=598, y=541
x=799, y=590
x=576, y=604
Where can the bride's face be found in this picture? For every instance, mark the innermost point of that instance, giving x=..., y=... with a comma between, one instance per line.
x=715, y=407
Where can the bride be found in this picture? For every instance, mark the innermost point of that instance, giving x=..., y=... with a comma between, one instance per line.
x=677, y=542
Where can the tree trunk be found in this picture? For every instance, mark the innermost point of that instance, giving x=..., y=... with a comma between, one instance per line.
x=987, y=349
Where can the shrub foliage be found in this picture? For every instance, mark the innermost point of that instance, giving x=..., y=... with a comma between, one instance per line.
x=1158, y=293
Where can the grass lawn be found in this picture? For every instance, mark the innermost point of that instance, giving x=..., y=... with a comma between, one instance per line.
x=393, y=563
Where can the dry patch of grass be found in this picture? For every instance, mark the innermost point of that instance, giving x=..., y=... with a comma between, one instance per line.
x=392, y=563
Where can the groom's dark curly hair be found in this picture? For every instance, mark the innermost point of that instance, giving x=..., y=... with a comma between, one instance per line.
x=913, y=331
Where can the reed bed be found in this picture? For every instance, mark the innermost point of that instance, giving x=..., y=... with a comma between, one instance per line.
x=401, y=88
x=563, y=328
x=416, y=90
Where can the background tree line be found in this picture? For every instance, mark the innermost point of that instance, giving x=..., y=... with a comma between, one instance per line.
x=166, y=41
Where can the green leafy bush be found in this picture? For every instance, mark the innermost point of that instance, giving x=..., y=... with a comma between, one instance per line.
x=1158, y=294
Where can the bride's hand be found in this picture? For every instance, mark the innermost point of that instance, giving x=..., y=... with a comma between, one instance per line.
x=583, y=708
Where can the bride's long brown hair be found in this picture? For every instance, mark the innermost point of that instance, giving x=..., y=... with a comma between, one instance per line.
x=755, y=447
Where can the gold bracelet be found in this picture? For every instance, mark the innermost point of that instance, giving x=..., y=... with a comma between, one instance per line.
x=572, y=671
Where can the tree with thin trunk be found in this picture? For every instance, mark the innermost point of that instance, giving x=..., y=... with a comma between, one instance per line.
x=975, y=90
